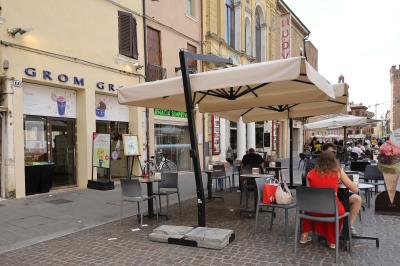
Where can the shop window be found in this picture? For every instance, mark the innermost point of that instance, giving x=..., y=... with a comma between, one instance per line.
x=127, y=35
x=118, y=159
x=215, y=135
x=173, y=141
x=192, y=64
x=230, y=23
x=190, y=8
x=35, y=136
x=259, y=136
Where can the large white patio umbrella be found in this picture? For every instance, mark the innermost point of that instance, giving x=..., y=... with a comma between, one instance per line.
x=289, y=111
x=280, y=82
x=335, y=105
x=287, y=81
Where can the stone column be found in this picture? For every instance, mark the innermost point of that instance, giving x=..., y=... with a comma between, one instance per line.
x=222, y=140
x=251, y=135
x=241, y=139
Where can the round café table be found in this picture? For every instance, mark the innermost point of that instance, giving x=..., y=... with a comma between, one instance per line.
x=254, y=176
x=363, y=186
x=149, y=182
x=276, y=169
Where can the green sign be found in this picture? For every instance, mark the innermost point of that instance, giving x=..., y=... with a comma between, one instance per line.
x=172, y=113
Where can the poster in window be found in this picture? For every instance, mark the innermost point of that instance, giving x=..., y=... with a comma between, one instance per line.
x=101, y=150
x=267, y=139
x=131, y=145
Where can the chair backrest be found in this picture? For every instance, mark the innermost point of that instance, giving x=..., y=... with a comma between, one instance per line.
x=248, y=169
x=131, y=188
x=260, y=186
x=317, y=200
x=220, y=170
x=168, y=180
x=354, y=155
x=302, y=156
x=358, y=165
x=277, y=164
x=373, y=172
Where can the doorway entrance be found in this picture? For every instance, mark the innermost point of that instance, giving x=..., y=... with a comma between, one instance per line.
x=62, y=154
x=52, y=140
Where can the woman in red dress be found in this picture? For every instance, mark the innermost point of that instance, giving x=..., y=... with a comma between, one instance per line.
x=326, y=174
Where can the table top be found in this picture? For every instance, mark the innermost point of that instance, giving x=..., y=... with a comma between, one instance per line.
x=148, y=179
x=212, y=171
x=275, y=168
x=360, y=186
x=257, y=175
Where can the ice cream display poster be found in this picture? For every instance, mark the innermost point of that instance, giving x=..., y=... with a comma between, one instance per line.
x=101, y=150
x=131, y=145
x=389, y=163
x=49, y=101
x=107, y=108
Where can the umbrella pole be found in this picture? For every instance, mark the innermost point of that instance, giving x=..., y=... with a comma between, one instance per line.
x=346, y=155
x=291, y=151
x=194, y=152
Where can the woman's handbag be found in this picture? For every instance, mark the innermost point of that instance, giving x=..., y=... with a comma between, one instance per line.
x=269, y=190
x=282, y=194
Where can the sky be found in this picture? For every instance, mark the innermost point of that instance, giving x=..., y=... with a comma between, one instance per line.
x=357, y=38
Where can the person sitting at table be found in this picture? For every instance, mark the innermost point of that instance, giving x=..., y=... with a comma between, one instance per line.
x=327, y=174
x=252, y=158
x=357, y=149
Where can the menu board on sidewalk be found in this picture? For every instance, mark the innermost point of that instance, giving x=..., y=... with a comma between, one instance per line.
x=101, y=150
x=131, y=145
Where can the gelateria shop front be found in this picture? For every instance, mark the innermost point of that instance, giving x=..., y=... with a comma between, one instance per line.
x=49, y=137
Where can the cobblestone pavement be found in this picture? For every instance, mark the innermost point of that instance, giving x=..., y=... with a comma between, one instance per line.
x=116, y=244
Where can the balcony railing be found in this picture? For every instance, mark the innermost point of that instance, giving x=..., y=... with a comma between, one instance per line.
x=154, y=72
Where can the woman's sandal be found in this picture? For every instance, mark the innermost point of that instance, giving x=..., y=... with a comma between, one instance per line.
x=305, y=240
x=332, y=246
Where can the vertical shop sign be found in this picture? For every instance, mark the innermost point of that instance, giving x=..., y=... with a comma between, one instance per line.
x=285, y=35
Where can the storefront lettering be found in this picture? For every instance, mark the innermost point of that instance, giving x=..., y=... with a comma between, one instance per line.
x=172, y=113
x=285, y=35
x=78, y=81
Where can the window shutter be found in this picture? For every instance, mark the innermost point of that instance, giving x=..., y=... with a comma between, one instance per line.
x=125, y=33
x=135, y=53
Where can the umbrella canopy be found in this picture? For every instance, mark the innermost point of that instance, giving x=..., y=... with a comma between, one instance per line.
x=263, y=113
x=286, y=81
x=340, y=121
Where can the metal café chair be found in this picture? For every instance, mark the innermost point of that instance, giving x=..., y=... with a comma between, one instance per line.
x=374, y=176
x=323, y=201
x=359, y=165
x=131, y=191
x=168, y=186
x=260, y=185
x=247, y=185
x=221, y=174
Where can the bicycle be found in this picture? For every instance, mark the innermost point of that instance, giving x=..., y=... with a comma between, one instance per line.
x=152, y=166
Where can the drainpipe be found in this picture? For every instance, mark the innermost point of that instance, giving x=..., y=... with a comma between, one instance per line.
x=3, y=128
x=304, y=45
x=145, y=67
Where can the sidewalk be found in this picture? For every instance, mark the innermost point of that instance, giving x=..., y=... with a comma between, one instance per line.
x=38, y=218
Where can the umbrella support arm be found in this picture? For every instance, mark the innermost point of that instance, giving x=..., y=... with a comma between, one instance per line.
x=194, y=152
x=291, y=151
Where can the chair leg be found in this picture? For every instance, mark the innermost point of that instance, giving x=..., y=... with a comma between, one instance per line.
x=179, y=202
x=141, y=214
x=337, y=240
x=296, y=232
x=286, y=223
x=159, y=201
x=257, y=211
x=120, y=211
x=350, y=237
x=157, y=212
x=167, y=204
x=272, y=218
x=298, y=167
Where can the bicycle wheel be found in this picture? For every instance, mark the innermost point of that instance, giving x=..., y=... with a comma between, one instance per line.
x=169, y=167
x=149, y=169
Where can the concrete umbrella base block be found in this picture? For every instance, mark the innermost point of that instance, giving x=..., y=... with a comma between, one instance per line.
x=205, y=237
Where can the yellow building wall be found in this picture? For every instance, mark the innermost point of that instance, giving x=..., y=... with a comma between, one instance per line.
x=76, y=38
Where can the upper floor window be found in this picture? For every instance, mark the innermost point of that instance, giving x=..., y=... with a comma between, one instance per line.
x=127, y=35
x=247, y=32
x=190, y=8
x=230, y=23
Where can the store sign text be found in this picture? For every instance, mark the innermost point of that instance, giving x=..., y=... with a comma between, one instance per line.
x=63, y=78
x=285, y=35
x=162, y=112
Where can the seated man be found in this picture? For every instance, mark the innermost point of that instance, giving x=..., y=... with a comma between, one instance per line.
x=357, y=149
x=252, y=158
x=355, y=200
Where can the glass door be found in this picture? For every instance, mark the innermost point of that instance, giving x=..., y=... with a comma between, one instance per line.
x=62, y=133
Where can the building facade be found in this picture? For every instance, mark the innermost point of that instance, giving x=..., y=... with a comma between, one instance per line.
x=60, y=72
x=395, y=98
x=171, y=26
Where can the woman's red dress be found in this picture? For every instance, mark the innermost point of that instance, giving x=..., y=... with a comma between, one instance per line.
x=325, y=229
